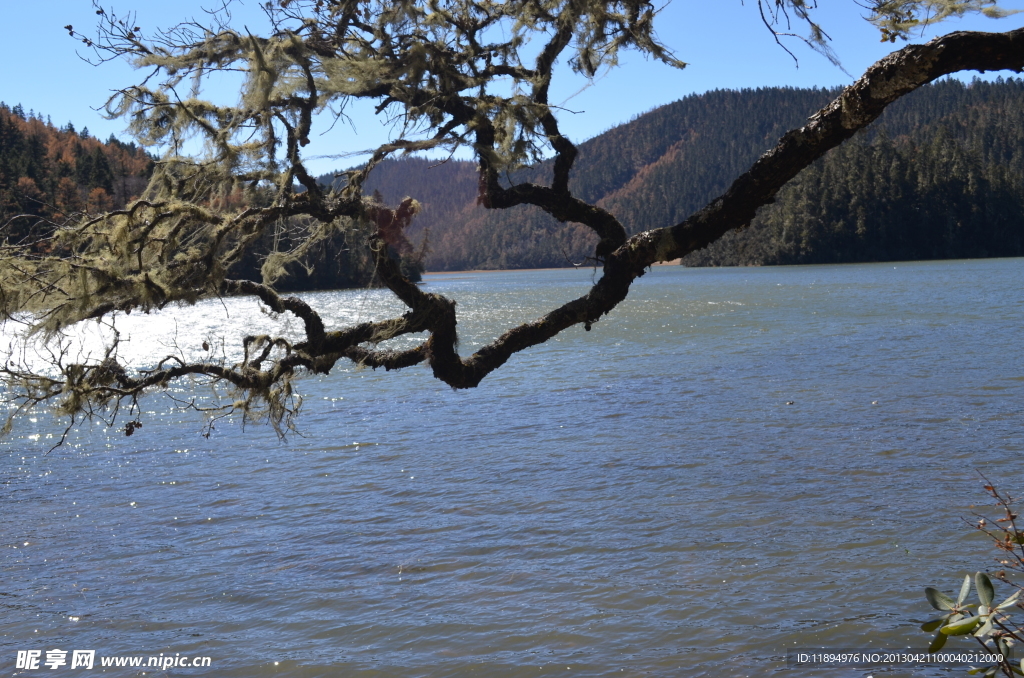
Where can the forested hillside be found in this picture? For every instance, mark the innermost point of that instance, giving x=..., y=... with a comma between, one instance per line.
x=47, y=174
x=939, y=175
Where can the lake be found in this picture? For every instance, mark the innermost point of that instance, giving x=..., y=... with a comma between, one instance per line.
x=734, y=463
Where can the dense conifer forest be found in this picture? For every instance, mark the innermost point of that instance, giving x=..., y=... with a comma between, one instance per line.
x=48, y=174
x=939, y=175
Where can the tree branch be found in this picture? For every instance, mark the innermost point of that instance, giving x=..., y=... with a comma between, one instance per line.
x=180, y=242
x=855, y=108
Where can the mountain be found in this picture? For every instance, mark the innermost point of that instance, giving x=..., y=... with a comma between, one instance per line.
x=48, y=174
x=939, y=175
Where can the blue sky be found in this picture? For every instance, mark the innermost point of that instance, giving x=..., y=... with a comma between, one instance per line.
x=724, y=43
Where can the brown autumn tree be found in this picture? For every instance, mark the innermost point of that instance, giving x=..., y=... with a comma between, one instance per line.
x=452, y=73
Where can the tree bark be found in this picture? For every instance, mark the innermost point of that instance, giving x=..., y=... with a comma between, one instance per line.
x=854, y=109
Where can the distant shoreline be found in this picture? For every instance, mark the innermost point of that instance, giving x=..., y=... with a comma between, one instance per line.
x=674, y=262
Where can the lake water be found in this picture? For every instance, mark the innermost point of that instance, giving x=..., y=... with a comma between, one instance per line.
x=638, y=500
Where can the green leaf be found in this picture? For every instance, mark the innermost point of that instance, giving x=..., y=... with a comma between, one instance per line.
x=985, y=628
x=986, y=592
x=938, y=599
x=938, y=642
x=962, y=627
x=1012, y=600
x=965, y=588
x=933, y=624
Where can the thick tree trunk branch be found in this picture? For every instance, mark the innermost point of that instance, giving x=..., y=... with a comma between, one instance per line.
x=160, y=226
x=310, y=318
x=855, y=108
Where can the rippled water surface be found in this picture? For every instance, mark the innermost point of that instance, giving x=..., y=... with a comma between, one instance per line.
x=639, y=500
